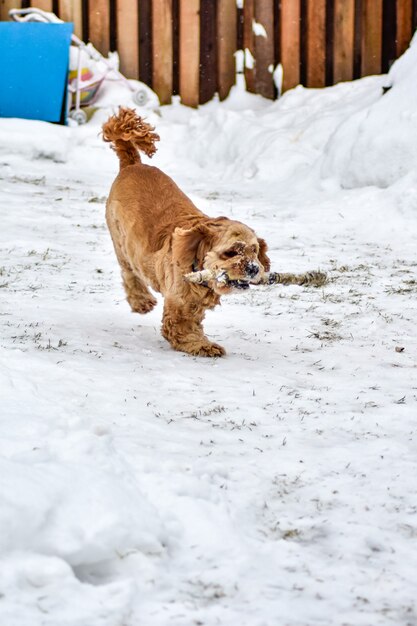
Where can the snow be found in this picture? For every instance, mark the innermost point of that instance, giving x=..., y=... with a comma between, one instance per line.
x=378, y=145
x=249, y=60
x=258, y=29
x=142, y=486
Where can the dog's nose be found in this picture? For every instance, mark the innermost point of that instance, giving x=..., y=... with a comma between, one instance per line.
x=252, y=269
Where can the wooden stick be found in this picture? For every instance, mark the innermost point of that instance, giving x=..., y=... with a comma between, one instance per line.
x=316, y=279
x=313, y=278
x=202, y=276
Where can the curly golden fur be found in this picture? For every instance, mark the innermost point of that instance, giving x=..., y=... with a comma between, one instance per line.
x=159, y=235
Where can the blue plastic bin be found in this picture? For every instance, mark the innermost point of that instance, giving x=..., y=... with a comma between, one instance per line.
x=34, y=70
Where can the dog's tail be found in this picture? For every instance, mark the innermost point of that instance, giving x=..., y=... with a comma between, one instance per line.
x=129, y=134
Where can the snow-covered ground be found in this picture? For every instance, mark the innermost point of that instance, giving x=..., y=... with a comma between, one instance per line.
x=275, y=487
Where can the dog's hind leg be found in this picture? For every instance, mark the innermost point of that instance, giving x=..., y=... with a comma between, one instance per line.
x=137, y=293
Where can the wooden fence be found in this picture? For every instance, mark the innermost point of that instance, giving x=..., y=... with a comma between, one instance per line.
x=187, y=47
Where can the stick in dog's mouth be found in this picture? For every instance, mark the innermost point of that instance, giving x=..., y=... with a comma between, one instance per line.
x=313, y=278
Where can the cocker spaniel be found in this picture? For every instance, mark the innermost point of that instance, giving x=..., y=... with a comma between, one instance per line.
x=159, y=235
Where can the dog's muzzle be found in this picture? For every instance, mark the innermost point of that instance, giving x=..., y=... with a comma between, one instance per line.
x=251, y=271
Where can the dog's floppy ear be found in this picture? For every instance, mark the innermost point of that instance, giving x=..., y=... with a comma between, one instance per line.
x=191, y=245
x=262, y=255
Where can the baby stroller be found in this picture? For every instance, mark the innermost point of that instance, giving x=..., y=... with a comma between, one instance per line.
x=83, y=82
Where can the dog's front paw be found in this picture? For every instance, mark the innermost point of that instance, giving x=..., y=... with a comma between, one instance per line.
x=209, y=349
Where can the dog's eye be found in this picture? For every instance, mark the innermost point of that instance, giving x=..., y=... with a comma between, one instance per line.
x=229, y=254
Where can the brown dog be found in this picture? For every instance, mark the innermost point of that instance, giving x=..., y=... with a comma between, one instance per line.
x=159, y=235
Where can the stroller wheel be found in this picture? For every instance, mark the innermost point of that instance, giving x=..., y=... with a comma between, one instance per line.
x=140, y=97
x=79, y=116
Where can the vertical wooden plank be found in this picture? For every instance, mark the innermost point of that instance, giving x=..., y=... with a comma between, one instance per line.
x=290, y=43
x=112, y=24
x=264, y=47
x=208, y=50
x=371, y=37
x=303, y=42
x=226, y=45
x=44, y=5
x=249, y=44
x=404, y=25
x=343, y=40
x=357, y=40
x=329, y=42
x=162, y=54
x=127, y=36
x=175, y=46
x=277, y=32
x=145, y=41
x=71, y=11
x=389, y=34
x=239, y=26
x=5, y=6
x=189, y=51
x=99, y=25
x=85, y=18
x=316, y=43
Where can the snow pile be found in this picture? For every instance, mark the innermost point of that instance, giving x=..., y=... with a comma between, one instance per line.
x=353, y=133
x=377, y=145
x=49, y=505
x=35, y=140
x=44, y=591
x=68, y=507
x=252, y=138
